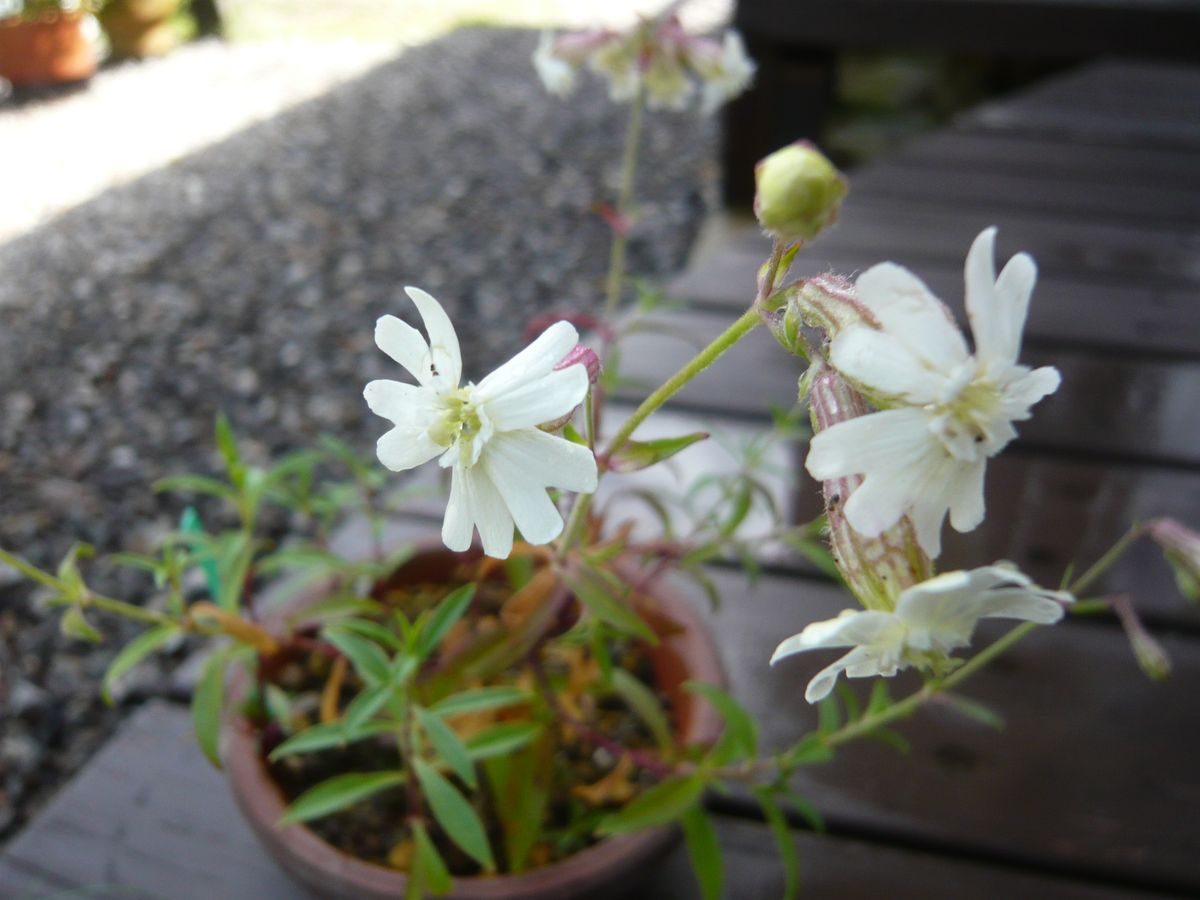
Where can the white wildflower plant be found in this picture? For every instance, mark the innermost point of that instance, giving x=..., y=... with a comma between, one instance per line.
x=943, y=410
x=502, y=463
x=931, y=621
x=656, y=59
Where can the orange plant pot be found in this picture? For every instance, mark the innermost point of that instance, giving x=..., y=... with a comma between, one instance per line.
x=48, y=50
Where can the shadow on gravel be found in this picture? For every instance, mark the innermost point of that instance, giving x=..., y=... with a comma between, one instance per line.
x=248, y=277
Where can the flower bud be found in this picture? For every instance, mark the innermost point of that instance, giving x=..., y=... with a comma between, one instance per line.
x=876, y=569
x=1181, y=547
x=584, y=356
x=798, y=192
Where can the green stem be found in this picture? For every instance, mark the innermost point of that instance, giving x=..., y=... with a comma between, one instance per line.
x=616, y=261
x=1105, y=562
x=705, y=358
x=87, y=599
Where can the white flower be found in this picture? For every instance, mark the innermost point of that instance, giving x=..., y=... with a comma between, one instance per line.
x=729, y=76
x=557, y=75
x=949, y=410
x=931, y=620
x=502, y=462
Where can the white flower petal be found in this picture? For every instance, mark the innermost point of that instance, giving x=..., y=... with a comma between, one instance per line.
x=851, y=627
x=967, y=505
x=459, y=522
x=880, y=361
x=1023, y=392
x=861, y=662
x=403, y=404
x=535, y=361
x=523, y=490
x=491, y=515
x=541, y=400
x=404, y=344
x=891, y=440
x=1043, y=607
x=405, y=447
x=558, y=462
x=445, y=356
x=997, y=308
x=907, y=310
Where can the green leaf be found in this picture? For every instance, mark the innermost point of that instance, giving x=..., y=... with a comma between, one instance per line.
x=195, y=484
x=784, y=843
x=829, y=715
x=336, y=608
x=448, y=746
x=740, y=737
x=363, y=707
x=207, y=701
x=74, y=624
x=635, y=455
x=478, y=699
x=435, y=877
x=368, y=659
x=227, y=444
x=973, y=709
x=327, y=735
x=338, y=793
x=880, y=698
x=807, y=811
x=598, y=599
x=189, y=523
x=705, y=852
x=502, y=738
x=133, y=653
x=456, y=816
x=372, y=631
x=645, y=704
x=810, y=750
x=444, y=616
x=663, y=803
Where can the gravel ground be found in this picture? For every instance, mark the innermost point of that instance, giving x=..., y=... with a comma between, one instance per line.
x=247, y=277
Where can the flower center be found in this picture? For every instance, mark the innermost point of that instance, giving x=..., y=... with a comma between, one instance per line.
x=968, y=416
x=462, y=425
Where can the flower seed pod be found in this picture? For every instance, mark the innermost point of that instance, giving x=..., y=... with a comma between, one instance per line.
x=798, y=192
x=876, y=569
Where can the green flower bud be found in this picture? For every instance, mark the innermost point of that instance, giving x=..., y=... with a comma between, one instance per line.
x=798, y=192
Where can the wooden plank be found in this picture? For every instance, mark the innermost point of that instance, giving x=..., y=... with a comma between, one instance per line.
x=1068, y=310
x=150, y=780
x=986, y=193
x=837, y=868
x=984, y=151
x=148, y=817
x=1094, y=771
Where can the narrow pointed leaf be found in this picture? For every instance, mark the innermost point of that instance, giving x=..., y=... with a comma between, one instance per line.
x=328, y=735
x=448, y=746
x=663, y=803
x=133, y=653
x=455, y=814
x=479, y=699
x=338, y=793
x=635, y=455
x=502, y=738
x=444, y=616
x=704, y=852
x=207, y=700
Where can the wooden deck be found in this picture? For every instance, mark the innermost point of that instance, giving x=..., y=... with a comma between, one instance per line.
x=1092, y=789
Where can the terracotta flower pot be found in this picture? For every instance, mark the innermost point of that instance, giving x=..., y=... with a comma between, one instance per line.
x=48, y=50
x=685, y=653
